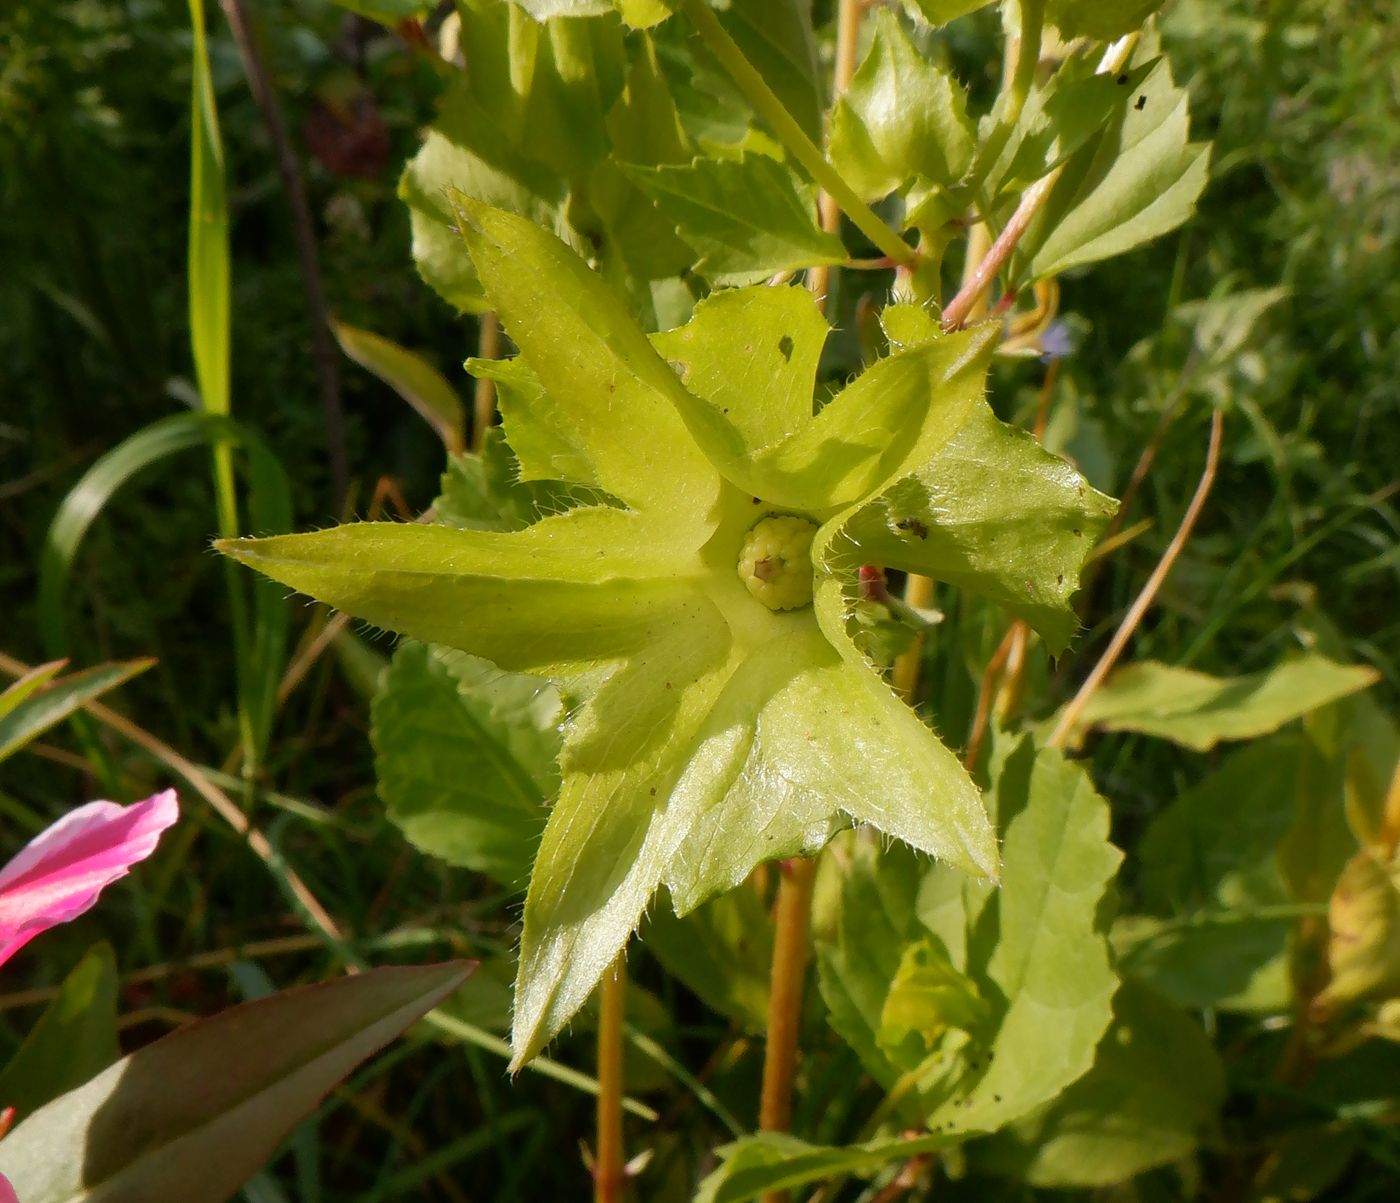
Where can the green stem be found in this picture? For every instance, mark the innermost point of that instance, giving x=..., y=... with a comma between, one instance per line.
x=784, y=126
x=1017, y=88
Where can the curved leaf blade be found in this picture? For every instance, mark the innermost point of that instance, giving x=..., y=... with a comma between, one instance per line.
x=191, y=1116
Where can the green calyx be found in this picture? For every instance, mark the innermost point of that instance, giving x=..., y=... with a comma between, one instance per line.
x=775, y=562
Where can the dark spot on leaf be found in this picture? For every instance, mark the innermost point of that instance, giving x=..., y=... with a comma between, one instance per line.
x=668, y=684
x=652, y=791
x=1060, y=578
x=1078, y=534
x=996, y=1098
x=785, y=348
x=1122, y=79
x=758, y=501
x=725, y=410
x=912, y=526
x=1141, y=103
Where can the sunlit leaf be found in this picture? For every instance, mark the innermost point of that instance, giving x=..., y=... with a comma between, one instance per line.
x=49, y=704
x=412, y=377
x=748, y=217
x=1101, y=19
x=900, y=117
x=1198, y=711
x=1135, y=182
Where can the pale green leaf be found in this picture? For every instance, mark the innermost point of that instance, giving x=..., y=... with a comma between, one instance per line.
x=543, y=10
x=73, y=1040
x=22, y=687
x=208, y=254
x=615, y=826
x=927, y=996
x=748, y=217
x=465, y=757
x=1136, y=181
x=774, y=781
x=900, y=410
x=752, y=353
x=52, y=702
x=940, y=12
x=1152, y=1097
x=191, y=1116
x=566, y=592
x=772, y=1161
x=901, y=117
x=580, y=342
x=991, y=512
x=1102, y=19
x=412, y=377
x=1197, y=710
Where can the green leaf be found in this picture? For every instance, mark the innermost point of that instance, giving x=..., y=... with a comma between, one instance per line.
x=1213, y=935
x=928, y=996
x=1363, y=923
x=413, y=378
x=580, y=343
x=484, y=491
x=538, y=599
x=1102, y=19
x=775, y=1161
x=1198, y=711
x=616, y=824
x=992, y=512
x=722, y=952
x=776, y=37
x=752, y=354
x=46, y=704
x=1033, y=950
x=940, y=12
x=1152, y=1097
x=901, y=117
x=1135, y=182
x=465, y=757
x=75, y=1038
x=748, y=217
x=208, y=231
x=191, y=1116
x=22, y=687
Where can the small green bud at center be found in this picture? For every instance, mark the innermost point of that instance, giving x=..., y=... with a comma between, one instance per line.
x=775, y=562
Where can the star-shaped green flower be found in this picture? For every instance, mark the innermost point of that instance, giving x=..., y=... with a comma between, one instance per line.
x=724, y=718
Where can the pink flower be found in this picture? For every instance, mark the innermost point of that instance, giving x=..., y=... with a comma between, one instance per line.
x=7, y=1192
x=59, y=874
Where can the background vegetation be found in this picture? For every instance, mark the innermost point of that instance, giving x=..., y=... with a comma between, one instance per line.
x=1300, y=536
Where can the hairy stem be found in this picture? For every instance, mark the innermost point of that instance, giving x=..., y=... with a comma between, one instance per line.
x=785, y=128
x=608, y=1173
x=794, y=913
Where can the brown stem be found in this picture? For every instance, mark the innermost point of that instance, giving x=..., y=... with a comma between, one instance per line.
x=323, y=351
x=1069, y=716
x=608, y=1174
x=794, y=913
x=991, y=678
x=484, y=400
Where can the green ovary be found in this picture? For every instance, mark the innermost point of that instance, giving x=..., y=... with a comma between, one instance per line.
x=775, y=562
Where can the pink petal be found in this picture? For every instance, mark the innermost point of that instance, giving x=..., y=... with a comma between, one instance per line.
x=7, y=1192
x=59, y=874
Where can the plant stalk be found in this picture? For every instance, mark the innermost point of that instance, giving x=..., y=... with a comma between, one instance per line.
x=323, y=352
x=608, y=1176
x=848, y=15
x=488, y=346
x=785, y=128
x=792, y=921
